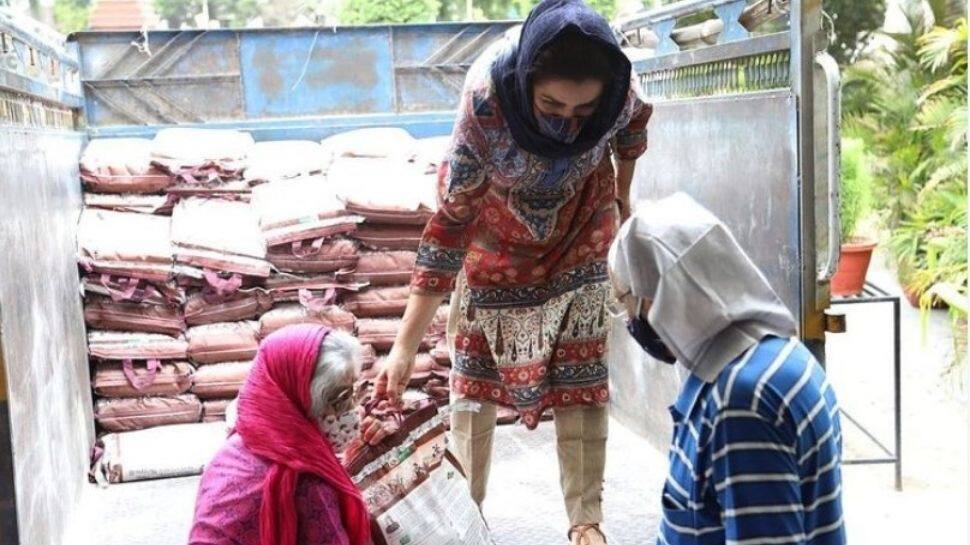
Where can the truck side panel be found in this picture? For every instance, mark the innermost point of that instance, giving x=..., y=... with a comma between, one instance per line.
x=45, y=395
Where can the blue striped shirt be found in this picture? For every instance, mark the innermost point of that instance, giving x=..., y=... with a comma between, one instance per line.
x=756, y=455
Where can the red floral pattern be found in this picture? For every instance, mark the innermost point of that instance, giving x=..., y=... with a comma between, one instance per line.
x=532, y=236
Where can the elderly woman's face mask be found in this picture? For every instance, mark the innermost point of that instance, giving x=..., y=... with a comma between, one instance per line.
x=343, y=425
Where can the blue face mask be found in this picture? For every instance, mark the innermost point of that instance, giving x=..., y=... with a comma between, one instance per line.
x=563, y=129
x=647, y=337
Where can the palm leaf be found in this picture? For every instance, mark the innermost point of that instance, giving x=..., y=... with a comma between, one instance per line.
x=956, y=130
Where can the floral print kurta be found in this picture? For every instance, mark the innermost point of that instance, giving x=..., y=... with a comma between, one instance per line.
x=531, y=236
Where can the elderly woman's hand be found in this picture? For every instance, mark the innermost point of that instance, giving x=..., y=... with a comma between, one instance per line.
x=374, y=430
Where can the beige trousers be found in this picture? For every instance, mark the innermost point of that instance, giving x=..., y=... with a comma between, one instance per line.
x=581, y=434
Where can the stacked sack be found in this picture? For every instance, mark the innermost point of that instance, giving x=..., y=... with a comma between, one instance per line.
x=393, y=220
x=152, y=242
x=196, y=245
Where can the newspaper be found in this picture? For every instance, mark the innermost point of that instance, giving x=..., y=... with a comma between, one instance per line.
x=417, y=495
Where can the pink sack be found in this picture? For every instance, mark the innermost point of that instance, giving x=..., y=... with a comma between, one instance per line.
x=152, y=378
x=371, y=142
x=222, y=342
x=389, y=237
x=219, y=235
x=310, y=291
x=410, y=200
x=221, y=380
x=134, y=290
x=430, y=153
x=370, y=374
x=143, y=204
x=321, y=255
x=381, y=332
x=300, y=209
x=121, y=165
x=125, y=243
x=385, y=268
x=146, y=412
x=103, y=313
x=115, y=345
x=367, y=357
x=214, y=410
x=218, y=188
x=441, y=354
x=270, y=161
x=378, y=302
x=292, y=313
x=243, y=305
x=198, y=155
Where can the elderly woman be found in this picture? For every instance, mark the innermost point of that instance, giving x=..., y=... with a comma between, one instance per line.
x=757, y=446
x=278, y=480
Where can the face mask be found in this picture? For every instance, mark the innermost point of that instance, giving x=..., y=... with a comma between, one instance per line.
x=563, y=129
x=647, y=337
x=340, y=429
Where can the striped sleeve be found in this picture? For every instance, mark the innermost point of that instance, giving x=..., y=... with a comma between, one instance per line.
x=756, y=479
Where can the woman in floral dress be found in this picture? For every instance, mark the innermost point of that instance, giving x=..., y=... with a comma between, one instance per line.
x=536, y=182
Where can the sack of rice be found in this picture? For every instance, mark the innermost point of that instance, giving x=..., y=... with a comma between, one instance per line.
x=146, y=412
x=121, y=165
x=222, y=342
x=151, y=378
x=219, y=235
x=154, y=453
x=294, y=313
x=284, y=159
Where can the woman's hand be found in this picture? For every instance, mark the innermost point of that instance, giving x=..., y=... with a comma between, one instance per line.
x=393, y=378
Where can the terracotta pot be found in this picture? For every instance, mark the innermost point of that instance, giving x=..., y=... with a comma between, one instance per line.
x=913, y=295
x=853, y=265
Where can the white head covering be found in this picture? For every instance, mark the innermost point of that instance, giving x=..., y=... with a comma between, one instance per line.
x=710, y=302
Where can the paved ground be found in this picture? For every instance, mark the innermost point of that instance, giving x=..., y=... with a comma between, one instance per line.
x=524, y=506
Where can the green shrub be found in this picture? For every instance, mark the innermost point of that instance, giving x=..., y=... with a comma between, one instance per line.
x=362, y=12
x=856, y=184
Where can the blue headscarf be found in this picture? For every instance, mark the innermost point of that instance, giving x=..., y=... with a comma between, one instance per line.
x=510, y=72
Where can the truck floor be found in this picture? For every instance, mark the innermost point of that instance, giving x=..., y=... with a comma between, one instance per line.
x=524, y=505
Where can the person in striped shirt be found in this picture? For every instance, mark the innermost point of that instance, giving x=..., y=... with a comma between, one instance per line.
x=756, y=453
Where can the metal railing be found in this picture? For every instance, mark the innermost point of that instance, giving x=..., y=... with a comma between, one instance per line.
x=685, y=65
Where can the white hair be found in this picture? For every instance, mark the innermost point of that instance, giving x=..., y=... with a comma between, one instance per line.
x=338, y=366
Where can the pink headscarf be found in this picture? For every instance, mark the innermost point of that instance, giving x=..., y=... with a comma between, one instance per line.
x=274, y=422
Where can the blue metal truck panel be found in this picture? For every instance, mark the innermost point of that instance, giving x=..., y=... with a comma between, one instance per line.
x=317, y=72
x=280, y=83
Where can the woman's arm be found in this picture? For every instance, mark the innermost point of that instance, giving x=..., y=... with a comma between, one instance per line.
x=624, y=178
x=394, y=378
x=463, y=181
x=631, y=143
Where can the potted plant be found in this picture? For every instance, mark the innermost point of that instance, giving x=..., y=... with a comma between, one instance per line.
x=854, y=203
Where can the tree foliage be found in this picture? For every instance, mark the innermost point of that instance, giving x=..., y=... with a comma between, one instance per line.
x=361, y=12
x=856, y=185
x=230, y=13
x=908, y=100
x=71, y=15
x=854, y=22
